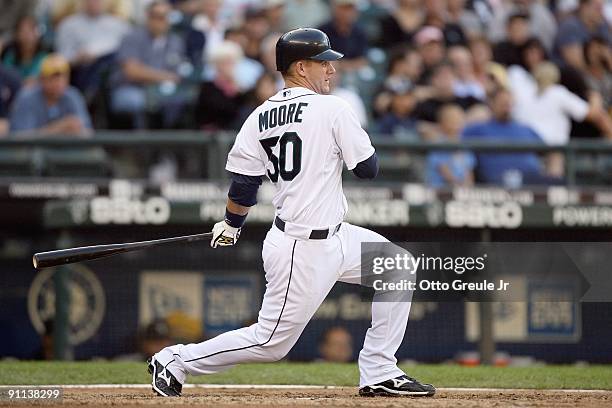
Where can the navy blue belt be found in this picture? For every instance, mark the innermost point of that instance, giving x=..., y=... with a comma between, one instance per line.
x=314, y=234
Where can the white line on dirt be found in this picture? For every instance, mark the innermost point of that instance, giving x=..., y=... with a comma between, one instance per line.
x=297, y=387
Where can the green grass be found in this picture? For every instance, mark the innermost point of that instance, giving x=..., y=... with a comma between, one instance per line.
x=540, y=377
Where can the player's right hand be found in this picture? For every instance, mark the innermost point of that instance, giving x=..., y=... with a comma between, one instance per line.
x=224, y=235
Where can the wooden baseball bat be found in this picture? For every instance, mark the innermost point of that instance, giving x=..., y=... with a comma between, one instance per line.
x=72, y=255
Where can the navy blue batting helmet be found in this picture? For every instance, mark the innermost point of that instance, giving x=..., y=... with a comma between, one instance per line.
x=303, y=43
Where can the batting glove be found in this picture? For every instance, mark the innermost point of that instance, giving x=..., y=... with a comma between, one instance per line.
x=224, y=235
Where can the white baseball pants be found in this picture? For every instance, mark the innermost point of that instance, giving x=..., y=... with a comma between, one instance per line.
x=299, y=274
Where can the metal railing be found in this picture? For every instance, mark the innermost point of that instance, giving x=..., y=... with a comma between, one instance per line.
x=215, y=146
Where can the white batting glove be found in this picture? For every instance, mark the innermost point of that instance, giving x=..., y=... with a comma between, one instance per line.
x=224, y=235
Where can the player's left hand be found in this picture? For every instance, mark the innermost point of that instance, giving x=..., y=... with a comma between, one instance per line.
x=224, y=235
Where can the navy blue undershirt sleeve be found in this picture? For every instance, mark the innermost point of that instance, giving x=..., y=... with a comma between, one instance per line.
x=243, y=189
x=367, y=169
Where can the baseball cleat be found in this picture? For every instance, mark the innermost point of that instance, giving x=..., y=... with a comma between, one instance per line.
x=398, y=386
x=163, y=382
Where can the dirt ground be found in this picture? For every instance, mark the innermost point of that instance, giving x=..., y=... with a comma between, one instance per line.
x=337, y=397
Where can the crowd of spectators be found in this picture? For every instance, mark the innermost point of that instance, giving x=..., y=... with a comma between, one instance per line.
x=513, y=70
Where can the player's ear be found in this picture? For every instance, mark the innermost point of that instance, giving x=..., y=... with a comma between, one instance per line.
x=300, y=68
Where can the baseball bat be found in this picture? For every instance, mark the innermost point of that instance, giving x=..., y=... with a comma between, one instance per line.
x=87, y=253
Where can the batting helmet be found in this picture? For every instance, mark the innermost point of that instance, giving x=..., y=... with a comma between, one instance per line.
x=303, y=43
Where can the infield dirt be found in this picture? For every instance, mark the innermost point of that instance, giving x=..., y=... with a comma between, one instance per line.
x=337, y=397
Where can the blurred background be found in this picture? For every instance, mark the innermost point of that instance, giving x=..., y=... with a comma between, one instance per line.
x=491, y=119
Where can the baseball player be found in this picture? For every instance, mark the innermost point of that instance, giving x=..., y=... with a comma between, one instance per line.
x=299, y=138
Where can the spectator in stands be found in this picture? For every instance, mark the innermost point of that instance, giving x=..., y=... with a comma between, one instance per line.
x=401, y=24
x=256, y=28
x=25, y=53
x=53, y=107
x=497, y=77
x=521, y=81
x=446, y=167
x=247, y=70
x=443, y=92
x=508, y=51
x=123, y=9
x=465, y=83
x=563, y=9
x=210, y=22
x=346, y=35
x=549, y=113
x=220, y=99
x=574, y=32
x=183, y=25
x=150, y=59
x=533, y=53
x=542, y=22
x=508, y=169
x=398, y=121
x=482, y=56
x=430, y=44
x=336, y=345
x=305, y=13
x=13, y=11
x=9, y=86
x=275, y=11
x=598, y=60
x=469, y=21
x=88, y=40
x=436, y=15
x=403, y=72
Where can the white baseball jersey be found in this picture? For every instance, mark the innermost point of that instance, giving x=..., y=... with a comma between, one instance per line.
x=300, y=139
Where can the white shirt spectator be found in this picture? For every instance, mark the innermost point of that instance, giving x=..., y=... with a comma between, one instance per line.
x=214, y=33
x=524, y=88
x=549, y=114
x=96, y=36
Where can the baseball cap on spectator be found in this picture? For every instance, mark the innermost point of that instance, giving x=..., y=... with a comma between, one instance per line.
x=428, y=34
x=54, y=64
